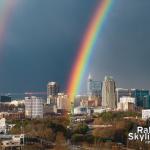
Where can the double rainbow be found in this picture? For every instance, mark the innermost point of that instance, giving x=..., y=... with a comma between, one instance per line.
x=86, y=48
x=6, y=7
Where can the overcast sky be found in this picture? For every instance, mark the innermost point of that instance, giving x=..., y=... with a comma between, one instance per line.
x=42, y=38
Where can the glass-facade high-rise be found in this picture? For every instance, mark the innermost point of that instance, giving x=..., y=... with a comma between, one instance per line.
x=94, y=88
x=146, y=102
x=141, y=96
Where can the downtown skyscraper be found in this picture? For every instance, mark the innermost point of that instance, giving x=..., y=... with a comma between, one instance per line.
x=52, y=89
x=52, y=92
x=94, y=88
x=108, y=93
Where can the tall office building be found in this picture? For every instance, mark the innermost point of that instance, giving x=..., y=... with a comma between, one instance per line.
x=33, y=107
x=146, y=102
x=94, y=88
x=108, y=93
x=52, y=89
x=140, y=96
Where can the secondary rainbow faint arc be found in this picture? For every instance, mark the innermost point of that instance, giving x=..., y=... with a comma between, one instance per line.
x=6, y=8
x=86, y=48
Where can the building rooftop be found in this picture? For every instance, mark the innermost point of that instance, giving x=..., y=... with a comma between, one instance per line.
x=52, y=83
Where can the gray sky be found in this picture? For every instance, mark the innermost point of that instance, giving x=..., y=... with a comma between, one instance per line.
x=43, y=36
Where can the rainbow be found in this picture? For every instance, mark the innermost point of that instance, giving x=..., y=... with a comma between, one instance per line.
x=86, y=47
x=6, y=8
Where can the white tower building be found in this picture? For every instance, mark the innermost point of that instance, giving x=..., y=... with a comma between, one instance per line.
x=108, y=93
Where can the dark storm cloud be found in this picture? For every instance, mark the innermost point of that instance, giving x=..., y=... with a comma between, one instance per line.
x=43, y=36
x=124, y=48
x=41, y=43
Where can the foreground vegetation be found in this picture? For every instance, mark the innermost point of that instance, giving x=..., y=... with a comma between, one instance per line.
x=55, y=129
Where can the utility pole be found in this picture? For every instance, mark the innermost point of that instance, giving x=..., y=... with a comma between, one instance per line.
x=22, y=133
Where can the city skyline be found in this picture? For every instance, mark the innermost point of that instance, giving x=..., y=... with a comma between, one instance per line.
x=74, y=74
x=42, y=39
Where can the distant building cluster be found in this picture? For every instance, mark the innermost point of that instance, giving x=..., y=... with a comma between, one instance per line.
x=57, y=100
x=100, y=96
x=106, y=96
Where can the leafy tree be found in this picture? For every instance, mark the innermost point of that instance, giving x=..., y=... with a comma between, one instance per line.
x=81, y=128
x=77, y=138
x=89, y=139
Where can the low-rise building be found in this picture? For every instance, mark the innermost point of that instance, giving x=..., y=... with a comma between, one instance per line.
x=81, y=110
x=126, y=104
x=12, y=115
x=49, y=110
x=78, y=99
x=3, y=127
x=145, y=114
x=15, y=141
x=62, y=101
x=99, y=110
x=127, y=99
x=17, y=102
x=94, y=102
